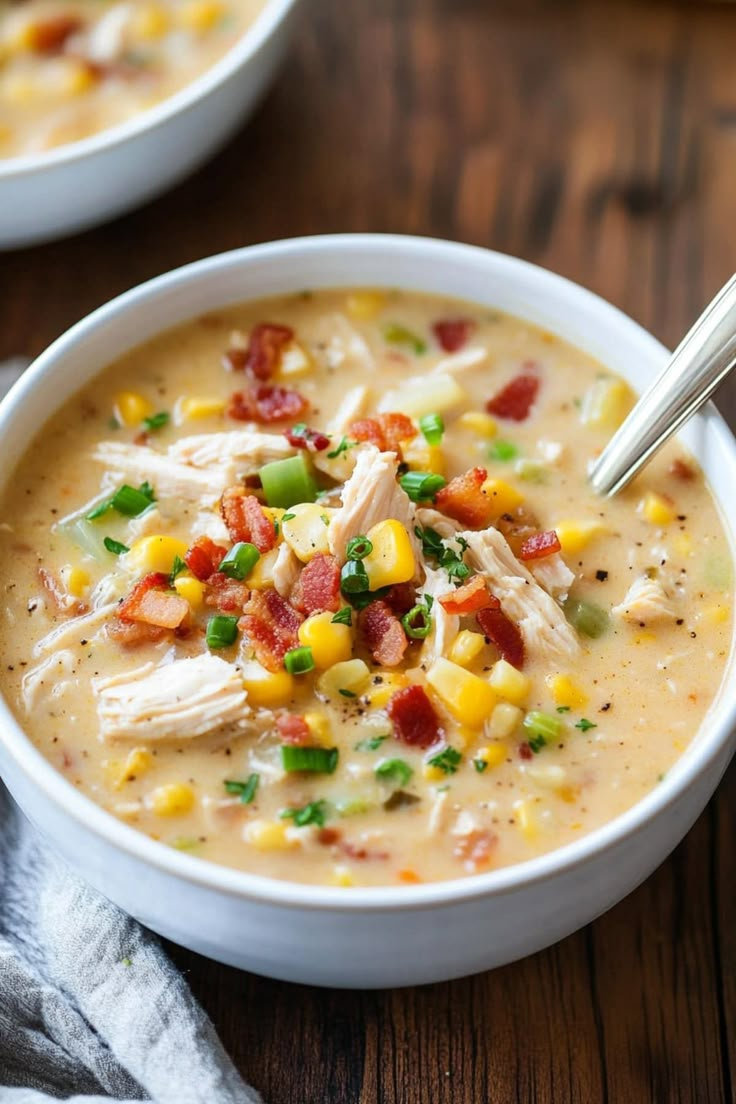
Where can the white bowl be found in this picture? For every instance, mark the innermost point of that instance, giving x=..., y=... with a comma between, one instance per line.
x=78, y=185
x=362, y=937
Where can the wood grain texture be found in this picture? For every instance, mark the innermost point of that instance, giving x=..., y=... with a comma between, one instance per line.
x=597, y=138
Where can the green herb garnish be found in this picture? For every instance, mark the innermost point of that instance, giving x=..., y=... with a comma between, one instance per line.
x=344, y=445
x=358, y=548
x=371, y=743
x=433, y=428
x=313, y=813
x=421, y=486
x=246, y=791
x=127, y=500
x=354, y=578
x=343, y=616
x=116, y=547
x=504, y=451
x=448, y=760
x=480, y=765
x=298, y=661
x=396, y=771
x=585, y=725
x=157, y=421
x=177, y=567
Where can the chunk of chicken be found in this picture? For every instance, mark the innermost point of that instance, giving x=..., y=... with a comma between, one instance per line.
x=351, y=408
x=445, y=626
x=52, y=676
x=553, y=574
x=70, y=634
x=246, y=449
x=646, y=601
x=286, y=570
x=540, y=620
x=371, y=494
x=429, y=518
x=170, y=478
x=177, y=701
x=334, y=340
x=471, y=357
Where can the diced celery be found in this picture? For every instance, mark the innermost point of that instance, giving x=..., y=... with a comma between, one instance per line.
x=288, y=482
x=87, y=536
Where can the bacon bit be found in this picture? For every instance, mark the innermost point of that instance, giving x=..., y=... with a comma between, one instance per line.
x=463, y=499
x=383, y=634
x=540, y=545
x=470, y=598
x=476, y=848
x=682, y=470
x=502, y=632
x=328, y=836
x=261, y=359
x=271, y=626
x=49, y=35
x=246, y=520
x=367, y=429
x=318, y=587
x=401, y=598
x=147, y=602
x=130, y=634
x=204, y=558
x=63, y=601
x=356, y=851
x=385, y=431
x=307, y=438
x=525, y=752
x=515, y=400
x=293, y=729
x=266, y=404
x=453, y=333
x=517, y=527
x=226, y=594
x=414, y=719
x=409, y=876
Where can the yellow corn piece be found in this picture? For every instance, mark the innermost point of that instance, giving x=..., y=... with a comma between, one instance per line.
x=656, y=509
x=504, y=497
x=305, y=531
x=351, y=676
x=466, y=647
x=330, y=643
x=566, y=692
x=509, y=683
x=424, y=458
x=320, y=728
x=568, y=794
x=493, y=755
x=504, y=721
x=200, y=15
x=75, y=78
x=477, y=422
x=715, y=615
x=379, y=694
x=131, y=408
x=364, y=306
x=295, y=361
x=463, y=737
x=75, y=580
x=606, y=404
x=432, y=773
x=469, y=698
x=190, y=589
x=526, y=819
x=194, y=407
x=139, y=760
x=574, y=536
x=261, y=577
x=155, y=553
x=266, y=688
x=645, y=638
x=683, y=544
x=149, y=21
x=173, y=799
x=342, y=876
x=268, y=835
x=392, y=558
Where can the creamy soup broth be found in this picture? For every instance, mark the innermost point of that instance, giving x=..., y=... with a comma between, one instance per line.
x=615, y=647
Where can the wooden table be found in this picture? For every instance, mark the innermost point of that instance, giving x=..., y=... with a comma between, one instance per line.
x=597, y=138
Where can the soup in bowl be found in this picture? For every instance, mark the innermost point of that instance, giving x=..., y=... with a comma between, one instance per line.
x=313, y=586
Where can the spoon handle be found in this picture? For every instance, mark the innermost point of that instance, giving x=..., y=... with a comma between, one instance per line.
x=698, y=366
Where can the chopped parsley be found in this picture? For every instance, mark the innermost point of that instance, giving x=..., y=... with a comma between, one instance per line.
x=585, y=725
x=372, y=743
x=344, y=445
x=246, y=791
x=536, y=743
x=157, y=421
x=347, y=693
x=434, y=548
x=448, y=760
x=343, y=616
x=563, y=708
x=315, y=812
x=396, y=771
x=480, y=765
x=176, y=568
x=116, y=547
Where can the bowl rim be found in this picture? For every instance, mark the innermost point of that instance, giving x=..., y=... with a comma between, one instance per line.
x=208, y=875
x=248, y=44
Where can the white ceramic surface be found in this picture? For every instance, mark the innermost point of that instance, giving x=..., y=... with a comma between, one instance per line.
x=76, y=186
x=380, y=936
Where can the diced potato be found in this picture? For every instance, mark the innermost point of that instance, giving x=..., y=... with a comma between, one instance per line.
x=606, y=404
x=466, y=647
x=305, y=531
x=424, y=395
x=421, y=457
x=478, y=422
x=75, y=579
x=574, y=536
x=509, y=683
x=392, y=559
x=261, y=577
x=503, y=495
x=172, y=799
x=330, y=642
x=269, y=835
x=131, y=408
x=154, y=553
x=469, y=698
x=566, y=692
x=347, y=679
x=379, y=695
x=656, y=509
x=193, y=407
x=505, y=721
x=295, y=361
x=549, y=775
x=266, y=688
x=190, y=589
x=493, y=755
x=364, y=306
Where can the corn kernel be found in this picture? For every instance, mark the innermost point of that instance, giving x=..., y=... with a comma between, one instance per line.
x=266, y=688
x=75, y=580
x=431, y=773
x=330, y=643
x=352, y=676
x=493, y=755
x=154, y=553
x=645, y=638
x=567, y=793
x=364, y=306
x=392, y=558
x=200, y=15
x=566, y=692
x=342, y=876
x=657, y=509
x=478, y=422
x=574, y=536
x=139, y=760
x=504, y=497
x=268, y=835
x=683, y=544
x=261, y=577
x=295, y=361
x=526, y=819
x=305, y=530
x=320, y=728
x=190, y=589
x=198, y=406
x=391, y=681
x=466, y=647
x=75, y=78
x=463, y=737
x=173, y=799
x=149, y=22
x=469, y=698
x=424, y=458
x=509, y=683
x=131, y=408
x=504, y=721
x=606, y=404
x=715, y=615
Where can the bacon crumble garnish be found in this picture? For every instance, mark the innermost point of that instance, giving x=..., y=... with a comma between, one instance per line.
x=515, y=400
x=525, y=752
x=305, y=438
x=266, y=404
x=401, y=598
x=272, y=627
x=246, y=520
x=261, y=359
x=470, y=598
x=413, y=717
x=383, y=633
x=680, y=469
x=226, y=594
x=385, y=431
x=318, y=586
x=148, y=602
x=293, y=729
x=49, y=36
x=132, y=633
x=453, y=333
x=502, y=632
x=540, y=545
x=476, y=848
x=204, y=558
x=464, y=500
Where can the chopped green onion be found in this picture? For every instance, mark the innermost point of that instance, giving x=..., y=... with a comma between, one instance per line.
x=344, y=445
x=298, y=661
x=432, y=427
x=354, y=807
x=177, y=567
x=587, y=618
x=585, y=725
x=536, y=743
x=421, y=486
x=116, y=547
x=240, y=560
x=354, y=578
x=127, y=500
x=417, y=622
x=222, y=631
x=360, y=601
x=563, y=708
x=541, y=728
x=246, y=791
x=480, y=765
x=343, y=616
x=313, y=813
x=358, y=548
x=502, y=451
x=396, y=334
x=157, y=421
x=396, y=771
x=372, y=743
x=317, y=760
x=347, y=693
x=448, y=760
x=288, y=482
x=448, y=558
x=287, y=517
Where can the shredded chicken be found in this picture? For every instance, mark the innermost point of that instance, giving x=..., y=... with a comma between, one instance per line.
x=540, y=619
x=430, y=518
x=445, y=626
x=48, y=677
x=371, y=494
x=72, y=633
x=286, y=570
x=352, y=406
x=177, y=701
x=333, y=339
x=471, y=357
x=149, y=523
x=210, y=523
x=646, y=601
x=247, y=449
x=438, y=814
x=169, y=477
x=553, y=574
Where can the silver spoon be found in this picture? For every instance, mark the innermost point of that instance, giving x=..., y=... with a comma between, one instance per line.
x=698, y=366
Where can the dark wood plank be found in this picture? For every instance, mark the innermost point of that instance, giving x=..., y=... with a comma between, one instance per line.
x=595, y=137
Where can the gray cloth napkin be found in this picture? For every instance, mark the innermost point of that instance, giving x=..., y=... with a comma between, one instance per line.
x=91, y=1009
